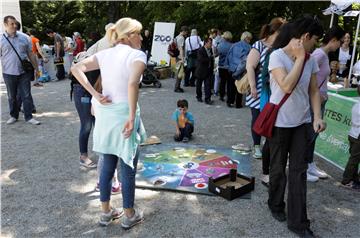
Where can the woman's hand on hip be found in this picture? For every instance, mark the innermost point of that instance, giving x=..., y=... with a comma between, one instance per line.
x=128, y=128
x=102, y=99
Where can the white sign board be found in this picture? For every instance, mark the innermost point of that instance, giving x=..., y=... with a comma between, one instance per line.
x=162, y=37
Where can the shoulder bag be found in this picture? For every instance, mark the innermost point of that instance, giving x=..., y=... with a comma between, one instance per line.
x=26, y=64
x=265, y=122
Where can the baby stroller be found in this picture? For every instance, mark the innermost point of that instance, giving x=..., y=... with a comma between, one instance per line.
x=150, y=75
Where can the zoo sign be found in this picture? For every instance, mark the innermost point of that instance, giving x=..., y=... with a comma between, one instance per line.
x=162, y=37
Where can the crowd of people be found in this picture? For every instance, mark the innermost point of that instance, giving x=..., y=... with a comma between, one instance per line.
x=280, y=64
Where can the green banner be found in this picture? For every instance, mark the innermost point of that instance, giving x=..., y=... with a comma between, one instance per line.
x=332, y=144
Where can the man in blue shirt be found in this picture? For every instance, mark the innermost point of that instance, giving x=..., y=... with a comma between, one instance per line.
x=17, y=80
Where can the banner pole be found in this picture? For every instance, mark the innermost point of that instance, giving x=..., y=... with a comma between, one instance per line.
x=331, y=20
x=354, y=49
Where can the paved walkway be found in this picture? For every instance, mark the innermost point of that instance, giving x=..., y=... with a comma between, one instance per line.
x=45, y=194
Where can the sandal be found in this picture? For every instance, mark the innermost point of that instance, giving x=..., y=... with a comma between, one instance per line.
x=38, y=85
x=88, y=165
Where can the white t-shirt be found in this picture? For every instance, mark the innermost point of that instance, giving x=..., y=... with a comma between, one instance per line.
x=355, y=121
x=344, y=56
x=115, y=67
x=296, y=110
x=192, y=43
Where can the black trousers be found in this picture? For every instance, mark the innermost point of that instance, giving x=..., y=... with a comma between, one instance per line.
x=185, y=132
x=60, y=71
x=266, y=158
x=351, y=172
x=224, y=79
x=189, y=71
x=292, y=143
x=207, y=88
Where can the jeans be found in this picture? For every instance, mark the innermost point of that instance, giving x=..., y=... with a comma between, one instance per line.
x=289, y=143
x=254, y=115
x=19, y=84
x=185, y=132
x=351, y=172
x=216, y=82
x=127, y=177
x=83, y=107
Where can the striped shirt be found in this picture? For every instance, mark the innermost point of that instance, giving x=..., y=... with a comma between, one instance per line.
x=250, y=101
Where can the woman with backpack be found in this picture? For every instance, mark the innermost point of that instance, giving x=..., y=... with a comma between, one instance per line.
x=118, y=128
x=254, y=64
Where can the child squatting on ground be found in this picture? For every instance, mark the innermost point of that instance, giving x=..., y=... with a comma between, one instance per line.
x=184, y=121
x=351, y=173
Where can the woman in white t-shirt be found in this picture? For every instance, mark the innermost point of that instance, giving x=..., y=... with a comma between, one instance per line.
x=290, y=134
x=118, y=126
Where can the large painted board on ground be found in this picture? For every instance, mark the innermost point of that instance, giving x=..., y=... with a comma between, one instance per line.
x=186, y=167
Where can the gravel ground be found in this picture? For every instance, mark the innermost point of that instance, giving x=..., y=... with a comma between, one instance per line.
x=45, y=193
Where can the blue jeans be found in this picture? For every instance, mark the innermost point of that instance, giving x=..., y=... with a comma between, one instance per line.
x=127, y=178
x=19, y=84
x=83, y=107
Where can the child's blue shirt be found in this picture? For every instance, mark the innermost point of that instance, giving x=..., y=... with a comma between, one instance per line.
x=188, y=115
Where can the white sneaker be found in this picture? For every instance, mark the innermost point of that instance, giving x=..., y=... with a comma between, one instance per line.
x=33, y=121
x=11, y=120
x=311, y=178
x=257, y=152
x=314, y=170
x=265, y=180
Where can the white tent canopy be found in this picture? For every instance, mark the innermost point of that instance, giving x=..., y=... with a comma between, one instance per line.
x=337, y=7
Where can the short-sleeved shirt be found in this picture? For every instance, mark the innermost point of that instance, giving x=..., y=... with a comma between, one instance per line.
x=322, y=60
x=296, y=110
x=58, y=38
x=115, y=67
x=192, y=43
x=10, y=62
x=34, y=40
x=355, y=121
x=180, y=41
x=188, y=115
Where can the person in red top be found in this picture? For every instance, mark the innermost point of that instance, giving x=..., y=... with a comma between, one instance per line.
x=80, y=45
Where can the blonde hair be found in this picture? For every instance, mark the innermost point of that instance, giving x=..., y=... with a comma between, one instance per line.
x=245, y=35
x=122, y=28
x=227, y=35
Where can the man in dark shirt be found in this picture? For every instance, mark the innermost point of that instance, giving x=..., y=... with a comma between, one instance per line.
x=59, y=53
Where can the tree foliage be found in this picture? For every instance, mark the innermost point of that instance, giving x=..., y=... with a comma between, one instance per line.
x=235, y=16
